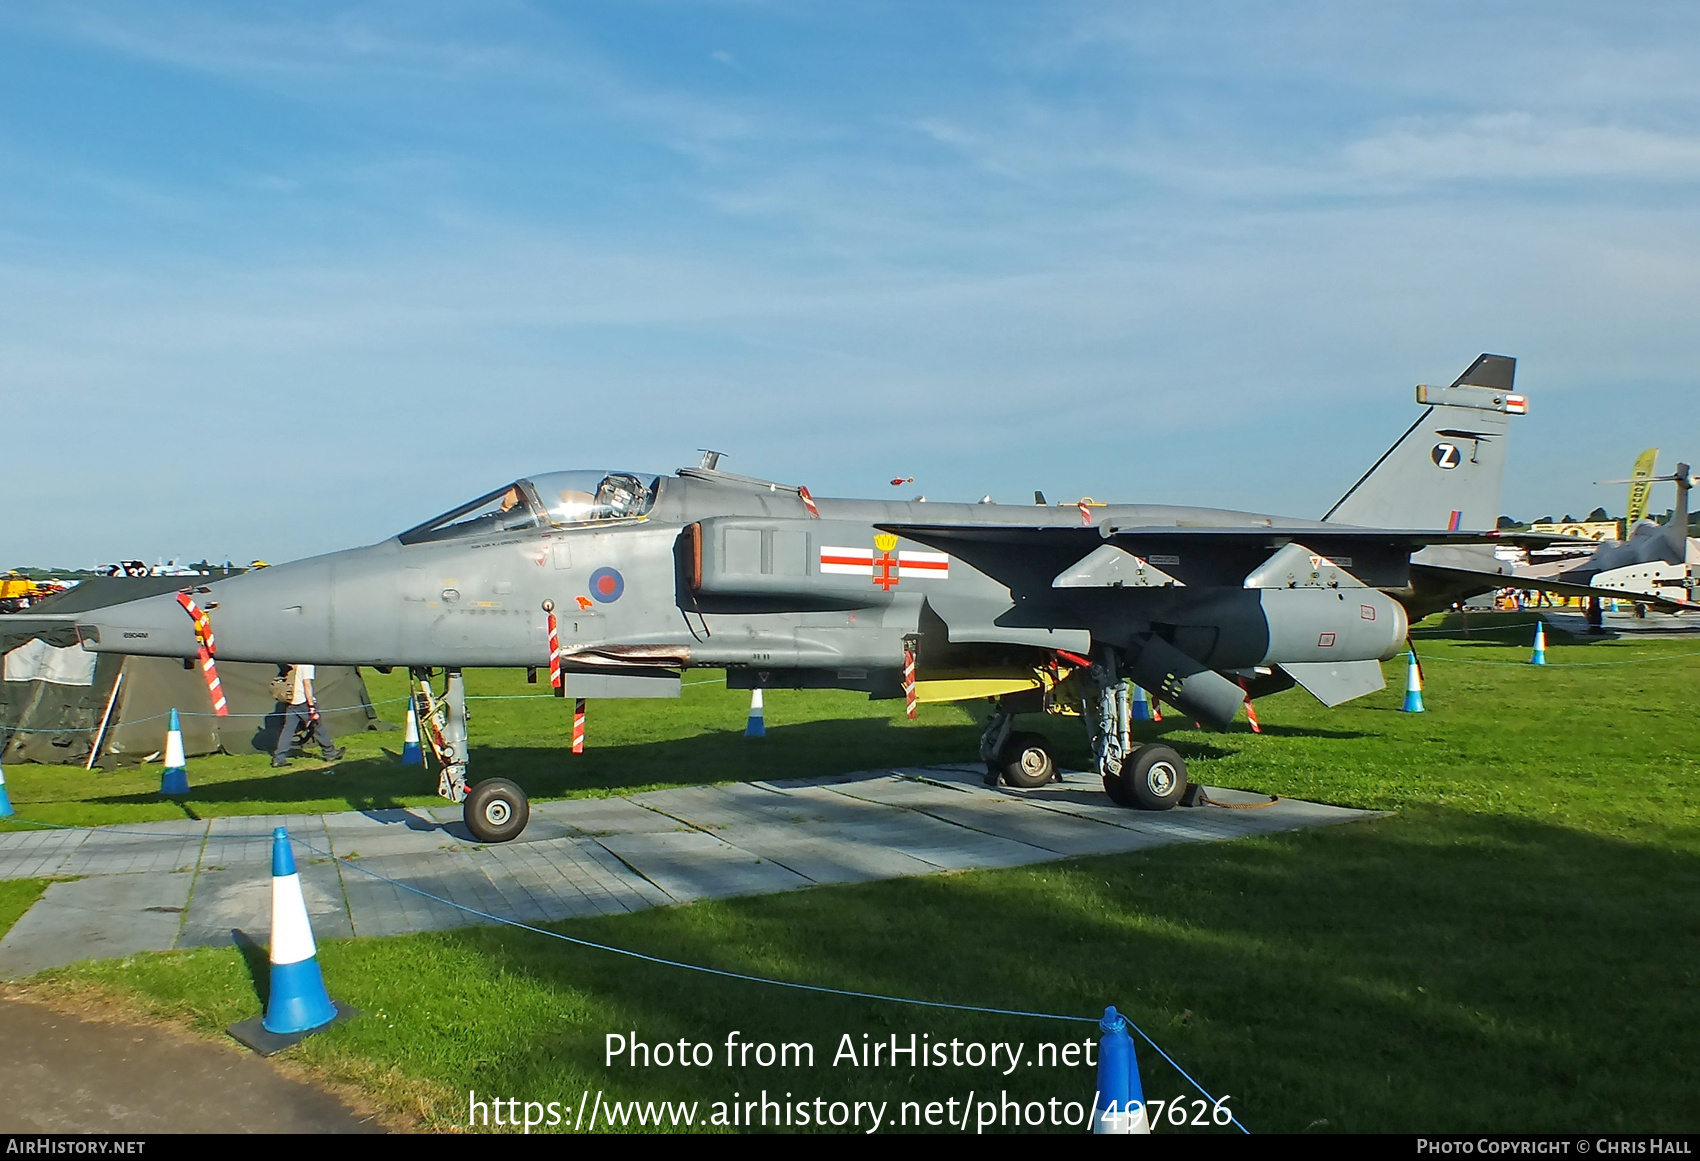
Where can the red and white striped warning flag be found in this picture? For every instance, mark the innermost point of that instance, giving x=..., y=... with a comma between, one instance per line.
x=204, y=645
x=554, y=647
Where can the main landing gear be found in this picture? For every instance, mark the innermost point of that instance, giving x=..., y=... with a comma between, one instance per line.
x=1148, y=777
x=1145, y=777
x=1017, y=757
x=495, y=810
x=1151, y=778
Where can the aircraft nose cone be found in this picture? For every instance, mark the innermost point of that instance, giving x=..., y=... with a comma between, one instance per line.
x=150, y=627
x=280, y=614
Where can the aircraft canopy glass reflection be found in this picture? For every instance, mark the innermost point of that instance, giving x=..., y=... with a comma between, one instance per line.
x=551, y=500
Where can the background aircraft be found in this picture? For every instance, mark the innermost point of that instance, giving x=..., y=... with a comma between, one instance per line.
x=1655, y=561
x=1038, y=608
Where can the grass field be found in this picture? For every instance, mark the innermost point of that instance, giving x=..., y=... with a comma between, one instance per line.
x=519, y=732
x=16, y=897
x=1515, y=949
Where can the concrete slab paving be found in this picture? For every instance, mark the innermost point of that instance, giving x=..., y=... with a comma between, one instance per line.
x=854, y=855
x=246, y=840
x=532, y=890
x=904, y=793
x=377, y=907
x=38, y=854
x=230, y=899
x=173, y=846
x=690, y=864
x=598, y=816
x=1048, y=830
x=97, y=918
x=599, y=873
x=355, y=835
x=745, y=804
x=945, y=845
x=188, y=883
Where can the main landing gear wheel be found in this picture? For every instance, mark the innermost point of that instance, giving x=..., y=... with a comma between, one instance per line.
x=496, y=811
x=1155, y=777
x=1027, y=761
x=1115, y=785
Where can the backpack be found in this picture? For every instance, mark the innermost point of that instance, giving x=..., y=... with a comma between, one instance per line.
x=282, y=688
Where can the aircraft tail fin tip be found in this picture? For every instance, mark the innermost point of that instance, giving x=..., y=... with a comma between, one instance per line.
x=1446, y=470
x=1495, y=372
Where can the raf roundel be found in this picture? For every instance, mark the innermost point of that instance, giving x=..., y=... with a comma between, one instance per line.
x=606, y=585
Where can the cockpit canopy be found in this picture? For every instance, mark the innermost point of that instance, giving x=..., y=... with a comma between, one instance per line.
x=553, y=500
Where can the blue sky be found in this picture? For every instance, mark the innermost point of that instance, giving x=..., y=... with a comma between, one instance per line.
x=381, y=257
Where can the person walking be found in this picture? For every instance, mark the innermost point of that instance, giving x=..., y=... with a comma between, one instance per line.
x=1596, y=616
x=302, y=711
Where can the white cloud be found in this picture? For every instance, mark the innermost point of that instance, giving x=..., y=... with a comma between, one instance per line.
x=1519, y=146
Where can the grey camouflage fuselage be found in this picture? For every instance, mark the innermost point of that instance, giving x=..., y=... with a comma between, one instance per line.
x=649, y=576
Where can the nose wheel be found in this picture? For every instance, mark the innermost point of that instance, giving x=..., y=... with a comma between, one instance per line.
x=496, y=810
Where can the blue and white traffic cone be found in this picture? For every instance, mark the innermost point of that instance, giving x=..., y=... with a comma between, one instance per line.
x=1540, y=656
x=1413, y=686
x=1141, y=707
x=757, y=727
x=1120, y=1104
x=6, y=810
x=298, y=1000
x=175, y=780
x=411, y=754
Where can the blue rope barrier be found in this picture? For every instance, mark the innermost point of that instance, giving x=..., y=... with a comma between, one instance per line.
x=331, y=710
x=1563, y=664
x=818, y=989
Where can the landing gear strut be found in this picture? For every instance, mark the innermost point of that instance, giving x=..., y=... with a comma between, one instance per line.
x=495, y=810
x=451, y=784
x=1148, y=777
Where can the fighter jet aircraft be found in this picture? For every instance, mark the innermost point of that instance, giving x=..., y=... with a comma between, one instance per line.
x=1038, y=608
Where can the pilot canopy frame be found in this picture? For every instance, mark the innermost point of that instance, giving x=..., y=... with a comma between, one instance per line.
x=549, y=500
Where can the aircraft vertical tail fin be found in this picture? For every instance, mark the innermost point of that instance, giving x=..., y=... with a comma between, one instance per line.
x=1676, y=531
x=1447, y=469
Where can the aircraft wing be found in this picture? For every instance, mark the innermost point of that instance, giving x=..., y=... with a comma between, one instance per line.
x=1272, y=535
x=1197, y=554
x=1495, y=580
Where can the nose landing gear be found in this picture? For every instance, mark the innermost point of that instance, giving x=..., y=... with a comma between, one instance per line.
x=495, y=810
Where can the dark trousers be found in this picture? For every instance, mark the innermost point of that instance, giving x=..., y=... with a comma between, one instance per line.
x=291, y=722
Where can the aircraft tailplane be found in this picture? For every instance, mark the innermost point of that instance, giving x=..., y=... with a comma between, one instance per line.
x=1447, y=469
